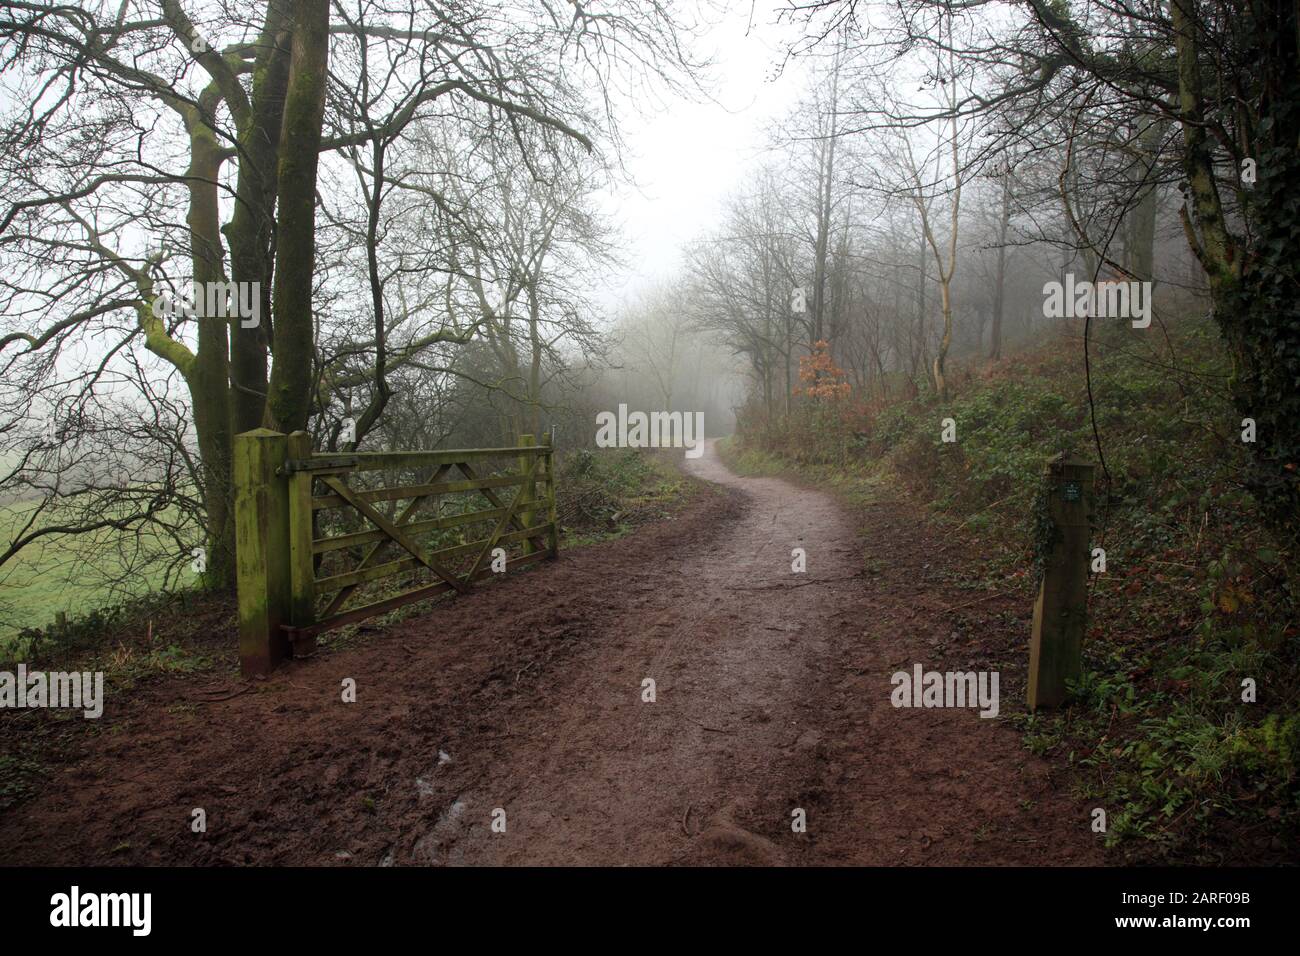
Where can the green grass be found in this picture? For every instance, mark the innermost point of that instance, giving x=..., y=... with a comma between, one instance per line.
x=856, y=482
x=78, y=574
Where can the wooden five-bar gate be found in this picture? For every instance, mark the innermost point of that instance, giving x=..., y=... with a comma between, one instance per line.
x=315, y=532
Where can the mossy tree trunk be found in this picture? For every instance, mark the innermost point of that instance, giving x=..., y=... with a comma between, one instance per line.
x=209, y=388
x=289, y=390
x=252, y=222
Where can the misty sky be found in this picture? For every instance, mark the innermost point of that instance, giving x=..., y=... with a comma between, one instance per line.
x=689, y=155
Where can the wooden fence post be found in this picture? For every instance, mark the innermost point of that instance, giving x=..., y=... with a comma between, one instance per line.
x=529, y=491
x=262, y=549
x=1061, y=611
x=553, y=539
x=302, y=564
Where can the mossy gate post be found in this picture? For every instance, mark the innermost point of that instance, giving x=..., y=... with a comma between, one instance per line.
x=261, y=549
x=282, y=487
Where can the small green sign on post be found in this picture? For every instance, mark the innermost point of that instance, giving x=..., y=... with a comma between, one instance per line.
x=1061, y=611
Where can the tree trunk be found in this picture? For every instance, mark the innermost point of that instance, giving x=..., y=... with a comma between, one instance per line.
x=999, y=290
x=289, y=391
x=209, y=389
x=1140, y=247
x=825, y=195
x=921, y=354
x=252, y=222
x=535, y=359
x=941, y=357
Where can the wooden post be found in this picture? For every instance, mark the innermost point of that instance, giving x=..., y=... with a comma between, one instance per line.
x=553, y=538
x=262, y=549
x=1061, y=611
x=302, y=565
x=529, y=491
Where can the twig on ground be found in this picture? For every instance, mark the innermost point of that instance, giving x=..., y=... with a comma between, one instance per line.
x=716, y=730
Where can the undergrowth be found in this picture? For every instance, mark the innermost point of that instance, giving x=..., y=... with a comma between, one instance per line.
x=606, y=493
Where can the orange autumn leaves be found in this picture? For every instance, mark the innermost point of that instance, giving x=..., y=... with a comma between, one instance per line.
x=823, y=379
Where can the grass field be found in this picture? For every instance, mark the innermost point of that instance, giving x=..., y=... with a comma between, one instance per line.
x=77, y=574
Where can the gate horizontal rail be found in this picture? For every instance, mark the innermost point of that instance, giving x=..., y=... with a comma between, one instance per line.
x=288, y=499
x=438, y=488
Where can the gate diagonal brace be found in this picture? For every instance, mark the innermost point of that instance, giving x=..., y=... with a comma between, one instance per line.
x=394, y=532
x=504, y=522
x=378, y=549
x=494, y=499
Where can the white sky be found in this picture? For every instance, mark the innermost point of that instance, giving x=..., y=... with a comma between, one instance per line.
x=686, y=158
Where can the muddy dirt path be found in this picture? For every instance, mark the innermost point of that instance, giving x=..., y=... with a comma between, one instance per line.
x=524, y=700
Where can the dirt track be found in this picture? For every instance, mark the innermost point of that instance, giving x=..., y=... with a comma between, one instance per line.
x=772, y=694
